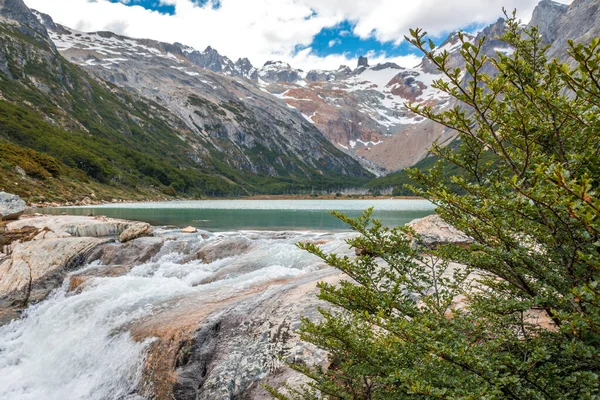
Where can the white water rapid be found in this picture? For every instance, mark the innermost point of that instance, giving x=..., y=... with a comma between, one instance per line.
x=77, y=345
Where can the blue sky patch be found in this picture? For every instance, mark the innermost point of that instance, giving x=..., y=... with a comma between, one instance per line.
x=340, y=40
x=153, y=5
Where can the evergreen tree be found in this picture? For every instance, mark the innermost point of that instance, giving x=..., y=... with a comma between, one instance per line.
x=522, y=320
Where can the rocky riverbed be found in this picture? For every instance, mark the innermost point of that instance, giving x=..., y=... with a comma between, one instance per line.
x=95, y=308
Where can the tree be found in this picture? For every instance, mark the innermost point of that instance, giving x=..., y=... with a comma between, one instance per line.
x=522, y=320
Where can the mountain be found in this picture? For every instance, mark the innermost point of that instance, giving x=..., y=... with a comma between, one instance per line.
x=251, y=130
x=201, y=133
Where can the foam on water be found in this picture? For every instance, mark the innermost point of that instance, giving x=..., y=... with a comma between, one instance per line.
x=77, y=345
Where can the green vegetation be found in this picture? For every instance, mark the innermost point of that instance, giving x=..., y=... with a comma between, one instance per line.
x=521, y=319
x=403, y=184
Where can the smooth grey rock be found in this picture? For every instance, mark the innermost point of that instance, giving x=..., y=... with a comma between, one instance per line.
x=21, y=172
x=11, y=206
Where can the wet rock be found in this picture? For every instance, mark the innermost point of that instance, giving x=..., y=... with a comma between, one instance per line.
x=227, y=349
x=220, y=248
x=77, y=281
x=11, y=206
x=189, y=229
x=135, y=231
x=132, y=253
x=37, y=267
x=116, y=259
x=433, y=232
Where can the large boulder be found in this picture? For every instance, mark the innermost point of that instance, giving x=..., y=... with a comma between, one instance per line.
x=11, y=206
x=37, y=267
x=434, y=232
x=79, y=226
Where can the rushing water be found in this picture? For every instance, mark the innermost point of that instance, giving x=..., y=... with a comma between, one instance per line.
x=227, y=215
x=77, y=345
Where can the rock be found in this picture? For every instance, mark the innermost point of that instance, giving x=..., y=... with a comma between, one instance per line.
x=319, y=76
x=135, y=231
x=117, y=259
x=132, y=253
x=546, y=16
x=433, y=232
x=37, y=267
x=221, y=248
x=78, y=281
x=79, y=226
x=222, y=350
x=11, y=206
x=48, y=234
x=21, y=172
x=363, y=62
x=189, y=229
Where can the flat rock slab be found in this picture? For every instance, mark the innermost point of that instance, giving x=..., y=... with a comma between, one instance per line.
x=37, y=267
x=11, y=206
x=79, y=226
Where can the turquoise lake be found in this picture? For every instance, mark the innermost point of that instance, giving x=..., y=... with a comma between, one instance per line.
x=230, y=215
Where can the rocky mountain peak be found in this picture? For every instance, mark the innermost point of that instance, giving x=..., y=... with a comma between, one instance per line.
x=244, y=67
x=212, y=60
x=279, y=71
x=386, y=65
x=545, y=17
x=32, y=26
x=48, y=22
x=363, y=62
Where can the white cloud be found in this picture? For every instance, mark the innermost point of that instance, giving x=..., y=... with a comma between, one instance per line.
x=264, y=30
x=334, y=42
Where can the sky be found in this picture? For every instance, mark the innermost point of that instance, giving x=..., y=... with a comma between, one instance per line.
x=308, y=34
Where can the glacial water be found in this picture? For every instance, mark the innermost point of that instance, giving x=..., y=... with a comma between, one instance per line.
x=78, y=345
x=230, y=215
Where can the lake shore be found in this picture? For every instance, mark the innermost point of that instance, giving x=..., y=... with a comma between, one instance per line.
x=88, y=201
